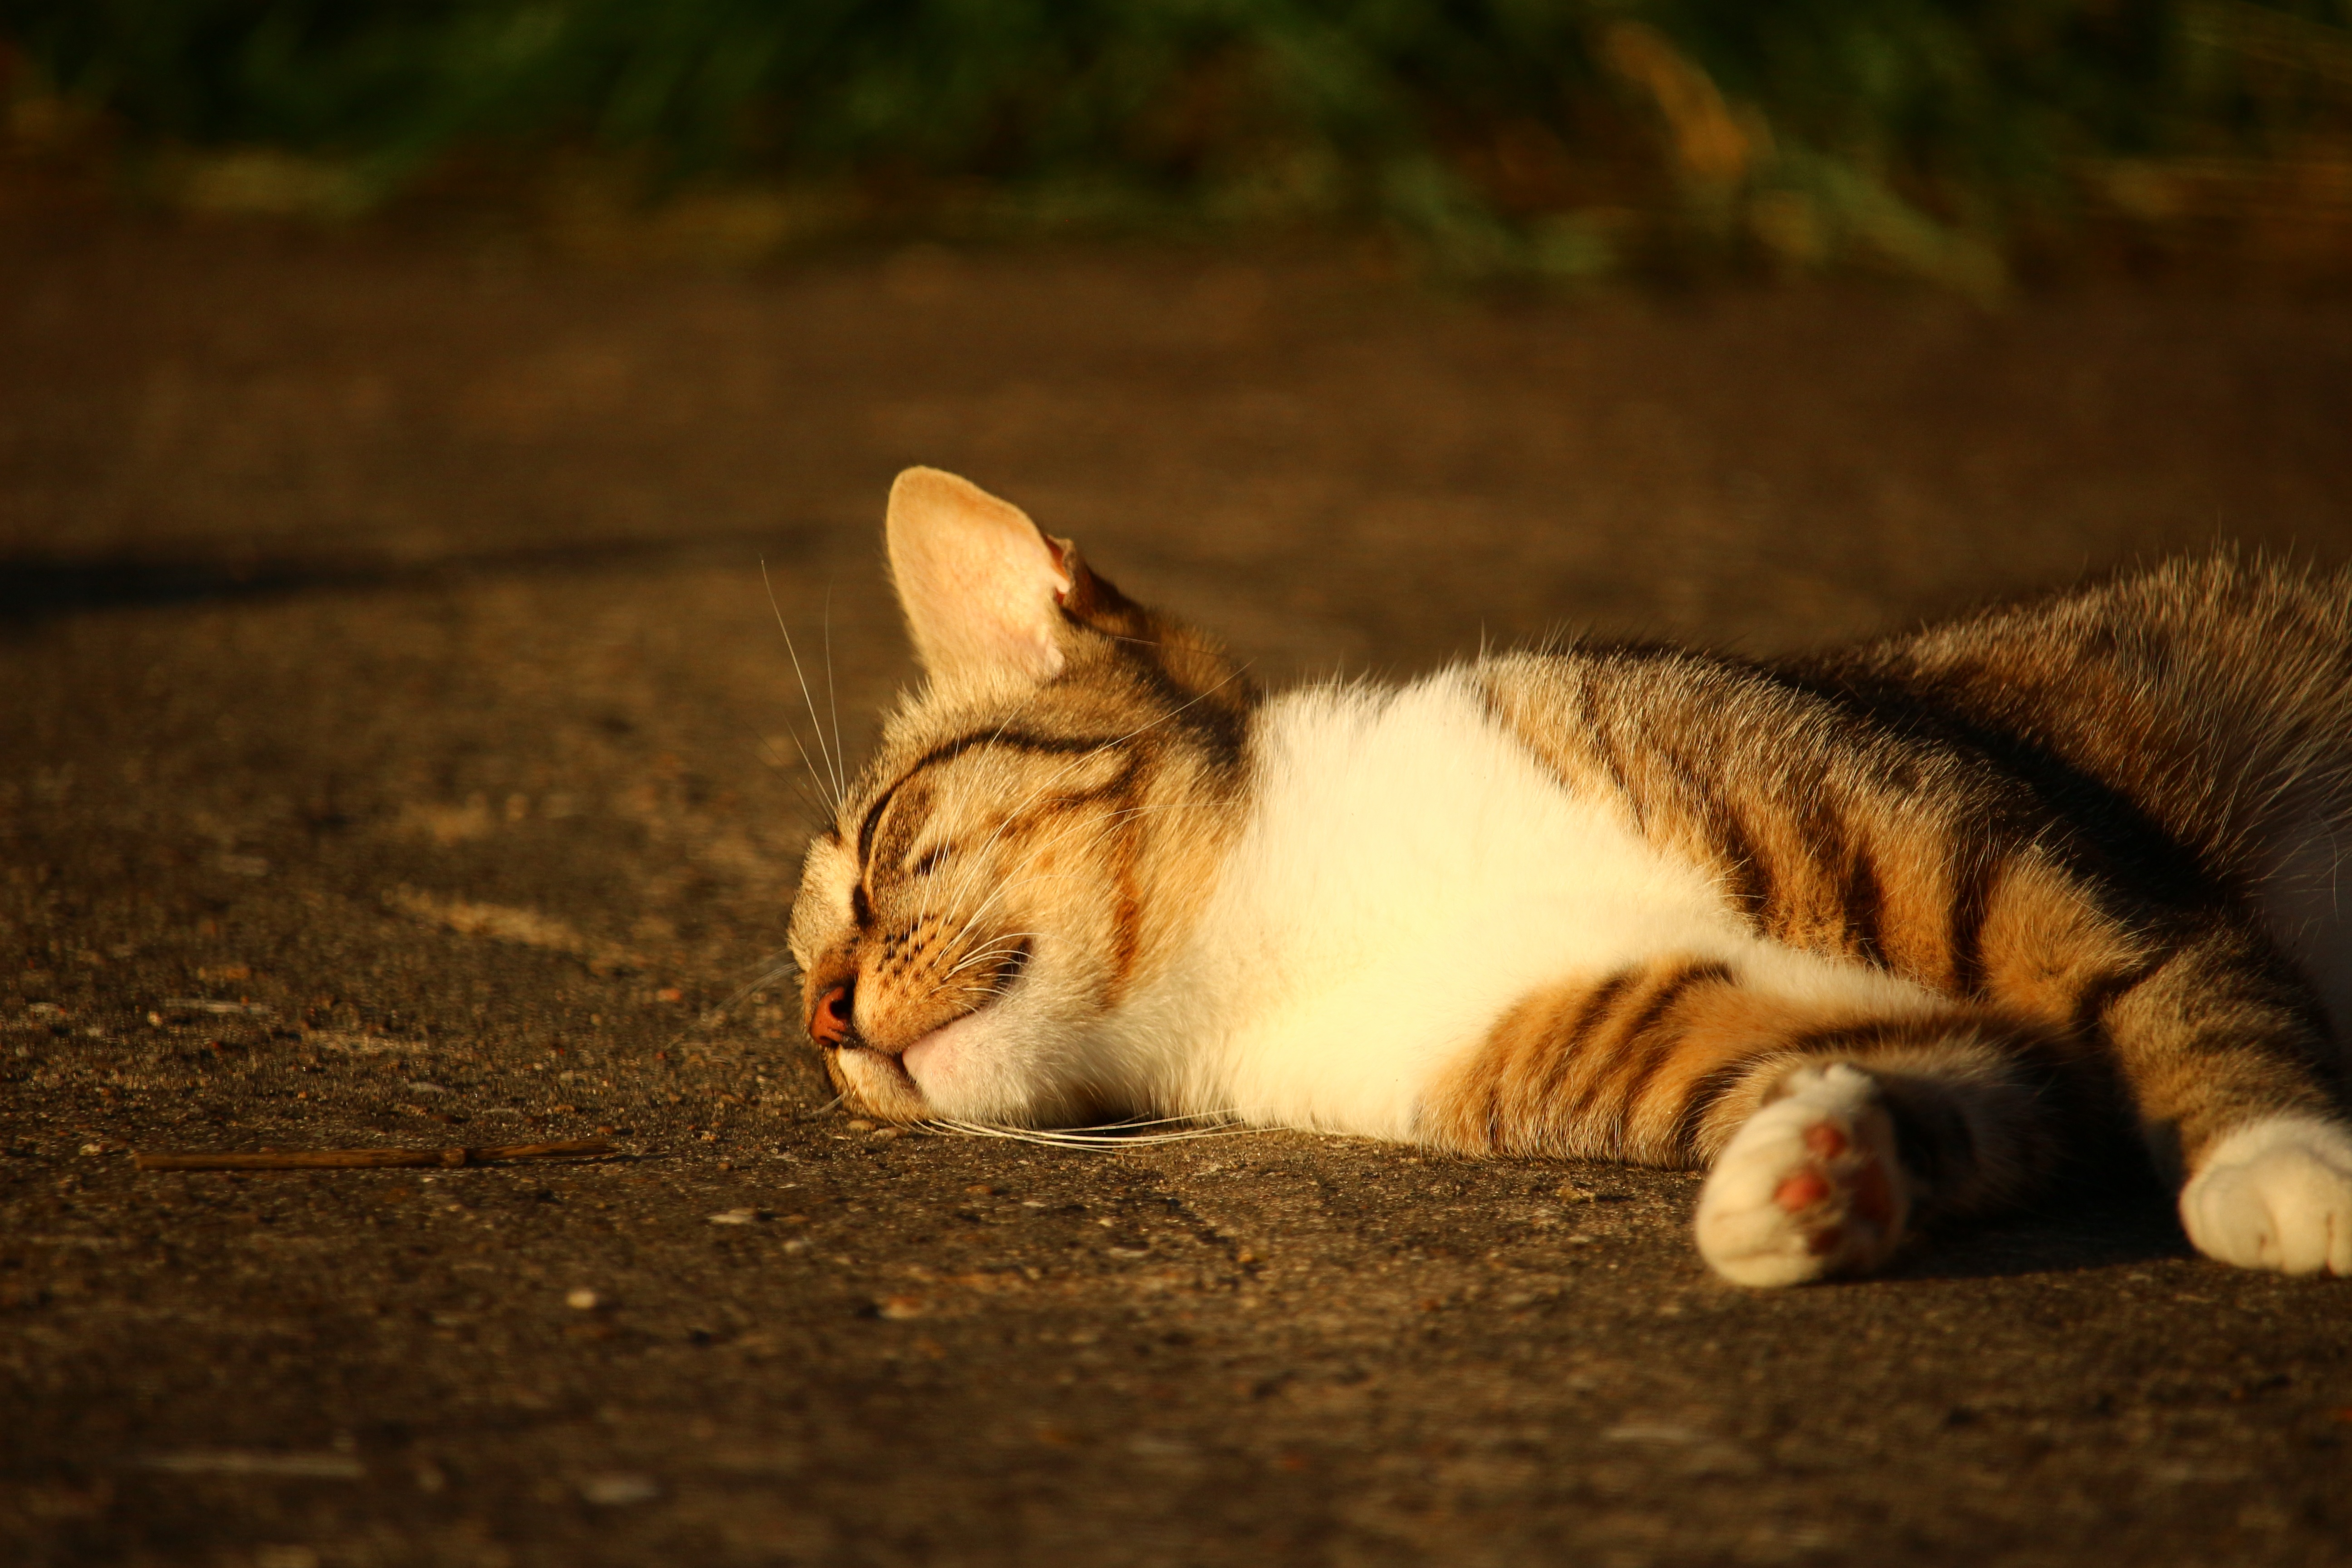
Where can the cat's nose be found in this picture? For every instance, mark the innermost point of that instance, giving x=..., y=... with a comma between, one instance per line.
x=829, y=1024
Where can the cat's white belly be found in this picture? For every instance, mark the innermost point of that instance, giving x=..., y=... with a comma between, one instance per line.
x=1410, y=873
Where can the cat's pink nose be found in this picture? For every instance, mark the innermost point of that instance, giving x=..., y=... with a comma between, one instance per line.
x=829, y=1025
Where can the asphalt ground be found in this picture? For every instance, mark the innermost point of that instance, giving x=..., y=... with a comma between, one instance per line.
x=398, y=747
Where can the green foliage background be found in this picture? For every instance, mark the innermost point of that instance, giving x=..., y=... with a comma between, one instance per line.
x=1544, y=133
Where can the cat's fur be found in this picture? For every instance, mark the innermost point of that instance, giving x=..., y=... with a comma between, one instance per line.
x=1881, y=938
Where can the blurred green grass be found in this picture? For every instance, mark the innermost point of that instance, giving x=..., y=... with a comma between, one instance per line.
x=1949, y=139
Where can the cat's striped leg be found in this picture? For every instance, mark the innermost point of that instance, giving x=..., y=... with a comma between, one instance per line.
x=2226, y=1069
x=1832, y=1131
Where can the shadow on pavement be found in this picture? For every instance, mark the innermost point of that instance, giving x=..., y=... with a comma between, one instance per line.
x=2104, y=1230
x=36, y=589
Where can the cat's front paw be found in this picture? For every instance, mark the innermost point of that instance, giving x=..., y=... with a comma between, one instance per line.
x=1808, y=1187
x=2275, y=1195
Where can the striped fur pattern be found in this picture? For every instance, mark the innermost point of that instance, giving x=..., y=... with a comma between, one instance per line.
x=1884, y=939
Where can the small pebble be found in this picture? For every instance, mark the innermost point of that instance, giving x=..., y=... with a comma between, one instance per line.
x=617, y=1492
x=884, y=1135
x=898, y=1309
x=583, y=1300
x=1572, y=1194
x=861, y=1126
x=735, y=1216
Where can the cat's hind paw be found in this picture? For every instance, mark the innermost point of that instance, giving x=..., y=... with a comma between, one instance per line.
x=2275, y=1195
x=1808, y=1187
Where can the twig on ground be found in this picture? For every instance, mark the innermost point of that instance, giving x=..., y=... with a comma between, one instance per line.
x=370, y=1159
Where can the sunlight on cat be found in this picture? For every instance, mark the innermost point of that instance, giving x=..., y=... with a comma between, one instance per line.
x=1879, y=935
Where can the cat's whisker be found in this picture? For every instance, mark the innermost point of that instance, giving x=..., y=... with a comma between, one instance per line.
x=1002, y=942
x=985, y=986
x=983, y=989
x=1002, y=890
x=719, y=1010
x=818, y=799
x=819, y=803
x=1007, y=887
x=963, y=881
x=1003, y=947
x=832, y=701
x=1106, y=1138
x=1219, y=1119
x=1004, y=887
x=1063, y=832
x=840, y=785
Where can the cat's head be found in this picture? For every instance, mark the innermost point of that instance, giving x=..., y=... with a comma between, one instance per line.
x=1037, y=827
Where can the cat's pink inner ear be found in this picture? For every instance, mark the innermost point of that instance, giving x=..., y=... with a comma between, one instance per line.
x=980, y=583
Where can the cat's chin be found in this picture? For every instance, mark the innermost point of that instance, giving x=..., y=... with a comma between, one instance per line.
x=878, y=1085
x=937, y=1061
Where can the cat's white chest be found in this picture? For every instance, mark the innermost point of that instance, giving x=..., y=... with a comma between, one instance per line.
x=1408, y=872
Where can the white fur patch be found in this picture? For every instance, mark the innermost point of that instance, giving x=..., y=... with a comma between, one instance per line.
x=1809, y=1187
x=1409, y=872
x=2277, y=1194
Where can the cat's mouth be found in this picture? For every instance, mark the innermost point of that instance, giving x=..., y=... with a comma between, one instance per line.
x=904, y=1082
x=938, y=1048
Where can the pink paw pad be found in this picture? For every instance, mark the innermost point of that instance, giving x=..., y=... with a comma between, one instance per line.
x=1808, y=1194
x=1802, y=1190
x=1809, y=1187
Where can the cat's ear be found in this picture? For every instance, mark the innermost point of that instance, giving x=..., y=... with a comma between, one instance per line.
x=982, y=586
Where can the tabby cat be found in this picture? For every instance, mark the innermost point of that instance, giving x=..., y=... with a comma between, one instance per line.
x=1883, y=939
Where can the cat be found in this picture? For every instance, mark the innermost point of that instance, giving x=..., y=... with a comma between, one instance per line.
x=1882, y=939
